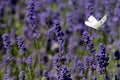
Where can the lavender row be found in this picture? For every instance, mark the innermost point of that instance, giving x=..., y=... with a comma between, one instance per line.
x=48, y=40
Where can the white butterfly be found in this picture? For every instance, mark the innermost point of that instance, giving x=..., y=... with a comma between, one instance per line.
x=94, y=23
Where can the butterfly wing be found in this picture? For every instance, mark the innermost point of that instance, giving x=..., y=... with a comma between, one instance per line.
x=91, y=21
x=101, y=22
x=103, y=19
x=88, y=24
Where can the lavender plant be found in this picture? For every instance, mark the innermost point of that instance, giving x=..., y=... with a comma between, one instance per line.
x=48, y=40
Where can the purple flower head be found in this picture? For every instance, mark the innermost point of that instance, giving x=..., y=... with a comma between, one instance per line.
x=21, y=75
x=102, y=59
x=29, y=61
x=6, y=41
x=21, y=46
x=92, y=63
x=101, y=70
x=46, y=75
x=81, y=68
x=38, y=5
x=32, y=15
x=59, y=33
x=36, y=35
x=117, y=55
x=56, y=62
x=6, y=77
x=86, y=61
x=88, y=41
x=64, y=74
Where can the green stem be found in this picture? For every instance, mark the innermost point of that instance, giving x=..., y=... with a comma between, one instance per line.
x=106, y=72
x=83, y=52
x=117, y=66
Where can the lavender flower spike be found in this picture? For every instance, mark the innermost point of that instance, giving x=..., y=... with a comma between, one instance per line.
x=45, y=73
x=6, y=41
x=21, y=75
x=102, y=59
x=59, y=33
x=6, y=77
x=89, y=43
x=64, y=75
x=81, y=68
x=32, y=15
x=56, y=62
x=21, y=46
x=29, y=62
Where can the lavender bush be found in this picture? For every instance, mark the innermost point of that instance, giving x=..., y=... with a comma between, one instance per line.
x=48, y=40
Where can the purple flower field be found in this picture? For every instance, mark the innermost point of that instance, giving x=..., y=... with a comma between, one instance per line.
x=59, y=39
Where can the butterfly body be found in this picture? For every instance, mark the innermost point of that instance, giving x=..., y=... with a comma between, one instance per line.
x=94, y=23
